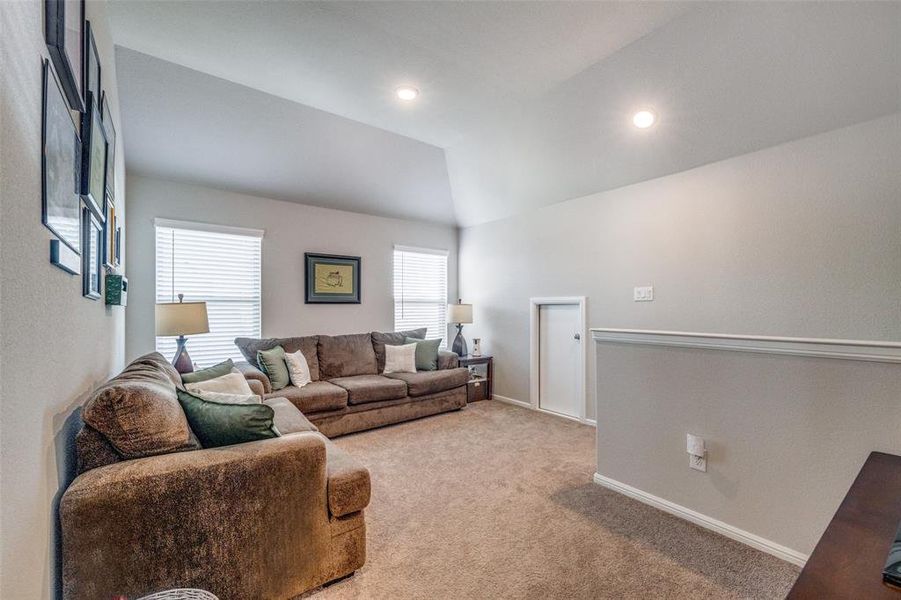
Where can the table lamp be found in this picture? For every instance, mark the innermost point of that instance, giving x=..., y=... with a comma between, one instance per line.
x=459, y=313
x=181, y=319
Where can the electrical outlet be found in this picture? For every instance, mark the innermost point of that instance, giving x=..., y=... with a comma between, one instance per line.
x=643, y=294
x=698, y=463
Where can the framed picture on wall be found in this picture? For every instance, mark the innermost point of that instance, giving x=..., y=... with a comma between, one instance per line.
x=110, y=131
x=332, y=279
x=91, y=250
x=109, y=233
x=64, y=32
x=93, y=159
x=61, y=165
x=91, y=75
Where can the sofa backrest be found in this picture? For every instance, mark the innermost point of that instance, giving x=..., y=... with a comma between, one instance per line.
x=346, y=355
x=306, y=344
x=137, y=413
x=380, y=339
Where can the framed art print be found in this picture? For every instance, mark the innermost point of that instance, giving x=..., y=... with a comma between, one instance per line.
x=109, y=232
x=332, y=279
x=60, y=165
x=91, y=260
x=93, y=159
x=91, y=75
x=118, y=243
x=64, y=32
x=107, y=119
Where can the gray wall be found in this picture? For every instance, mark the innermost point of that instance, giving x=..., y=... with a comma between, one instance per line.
x=291, y=229
x=799, y=239
x=785, y=435
x=56, y=345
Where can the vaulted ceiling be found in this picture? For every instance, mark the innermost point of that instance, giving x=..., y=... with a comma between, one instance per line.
x=522, y=104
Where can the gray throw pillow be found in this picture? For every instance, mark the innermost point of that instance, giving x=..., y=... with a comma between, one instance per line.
x=426, y=353
x=272, y=363
x=223, y=368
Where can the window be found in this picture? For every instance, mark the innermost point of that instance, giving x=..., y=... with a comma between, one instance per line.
x=218, y=265
x=420, y=291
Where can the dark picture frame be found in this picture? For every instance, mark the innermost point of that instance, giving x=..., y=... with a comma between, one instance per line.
x=60, y=165
x=110, y=131
x=91, y=75
x=93, y=157
x=118, y=243
x=332, y=279
x=109, y=232
x=64, y=34
x=91, y=250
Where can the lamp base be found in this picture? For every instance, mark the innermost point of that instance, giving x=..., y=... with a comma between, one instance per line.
x=182, y=361
x=459, y=347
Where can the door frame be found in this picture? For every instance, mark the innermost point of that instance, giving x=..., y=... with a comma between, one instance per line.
x=535, y=305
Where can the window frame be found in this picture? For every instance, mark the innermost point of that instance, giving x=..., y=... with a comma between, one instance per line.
x=198, y=226
x=445, y=341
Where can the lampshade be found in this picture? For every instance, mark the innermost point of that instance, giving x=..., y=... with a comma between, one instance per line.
x=459, y=313
x=181, y=318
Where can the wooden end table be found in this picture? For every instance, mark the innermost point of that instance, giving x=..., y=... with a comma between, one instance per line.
x=479, y=388
x=848, y=560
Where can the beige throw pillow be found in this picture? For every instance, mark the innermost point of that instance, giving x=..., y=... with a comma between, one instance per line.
x=298, y=369
x=233, y=383
x=400, y=359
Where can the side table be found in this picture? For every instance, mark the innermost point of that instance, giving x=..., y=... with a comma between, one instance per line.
x=480, y=386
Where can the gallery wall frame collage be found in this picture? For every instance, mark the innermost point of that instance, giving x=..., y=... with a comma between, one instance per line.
x=78, y=151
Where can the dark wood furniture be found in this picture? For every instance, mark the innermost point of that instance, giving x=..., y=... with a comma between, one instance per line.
x=479, y=388
x=848, y=560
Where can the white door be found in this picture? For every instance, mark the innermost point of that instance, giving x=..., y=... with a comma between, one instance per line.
x=559, y=353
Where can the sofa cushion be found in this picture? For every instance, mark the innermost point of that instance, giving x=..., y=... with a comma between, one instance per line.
x=379, y=339
x=430, y=382
x=314, y=397
x=349, y=487
x=93, y=450
x=370, y=388
x=287, y=418
x=138, y=410
x=346, y=355
x=448, y=360
x=308, y=345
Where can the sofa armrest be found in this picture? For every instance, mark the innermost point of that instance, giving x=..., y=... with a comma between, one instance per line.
x=448, y=360
x=251, y=373
x=243, y=521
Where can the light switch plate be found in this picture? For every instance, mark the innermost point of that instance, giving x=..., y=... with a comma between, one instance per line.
x=643, y=294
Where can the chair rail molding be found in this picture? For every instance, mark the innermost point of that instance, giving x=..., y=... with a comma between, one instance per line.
x=870, y=351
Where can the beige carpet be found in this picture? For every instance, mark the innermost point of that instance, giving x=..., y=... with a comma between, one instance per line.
x=496, y=501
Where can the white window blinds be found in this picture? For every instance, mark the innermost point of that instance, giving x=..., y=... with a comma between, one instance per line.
x=420, y=291
x=220, y=266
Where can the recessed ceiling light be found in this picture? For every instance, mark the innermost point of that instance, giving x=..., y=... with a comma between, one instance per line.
x=407, y=92
x=644, y=119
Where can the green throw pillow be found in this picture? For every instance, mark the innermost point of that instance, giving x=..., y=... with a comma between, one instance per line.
x=223, y=368
x=272, y=363
x=217, y=424
x=426, y=353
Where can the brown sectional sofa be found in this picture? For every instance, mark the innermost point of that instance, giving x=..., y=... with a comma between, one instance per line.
x=150, y=510
x=349, y=392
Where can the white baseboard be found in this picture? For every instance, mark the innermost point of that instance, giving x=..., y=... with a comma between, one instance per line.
x=528, y=405
x=739, y=535
x=512, y=401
